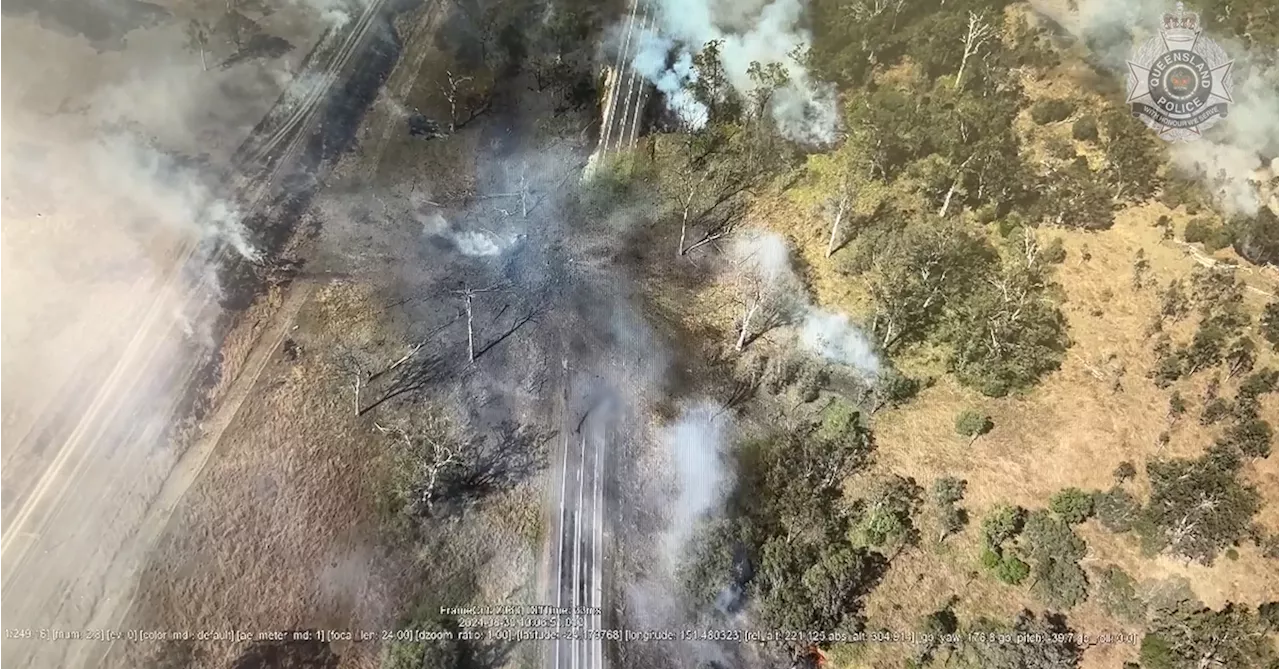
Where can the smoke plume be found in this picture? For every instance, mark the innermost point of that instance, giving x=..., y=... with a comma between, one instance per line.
x=804, y=109
x=1226, y=159
x=833, y=337
x=693, y=445
x=765, y=259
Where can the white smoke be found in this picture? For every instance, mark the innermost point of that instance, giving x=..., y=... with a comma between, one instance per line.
x=693, y=445
x=335, y=14
x=151, y=182
x=1228, y=155
x=805, y=110
x=651, y=63
x=1225, y=160
x=766, y=258
x=468, y=242
x=832, y=336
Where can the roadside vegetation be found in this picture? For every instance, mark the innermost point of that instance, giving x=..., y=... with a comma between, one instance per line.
x=945, y=220
x=1018, y=254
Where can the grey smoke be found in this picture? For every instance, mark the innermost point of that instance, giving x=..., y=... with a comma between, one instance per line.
x=673, y=81
x=833, y=336
x=470, y=243
x=1226, y=158
x=694, y=442
x=804, y=109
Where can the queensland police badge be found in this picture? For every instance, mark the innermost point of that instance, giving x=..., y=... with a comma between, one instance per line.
x=1179, y=81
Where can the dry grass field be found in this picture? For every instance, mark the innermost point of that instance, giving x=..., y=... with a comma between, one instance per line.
x=1072, y=429
x=288, y=525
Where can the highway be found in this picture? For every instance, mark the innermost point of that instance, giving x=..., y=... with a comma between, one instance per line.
x=104, y=486
x=579, y=532
x=626, y=92
x=579, y=536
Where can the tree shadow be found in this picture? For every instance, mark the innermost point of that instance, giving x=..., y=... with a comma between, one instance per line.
x=288, y=654
x=417, y=374
x=262, y=46
x=490, y=466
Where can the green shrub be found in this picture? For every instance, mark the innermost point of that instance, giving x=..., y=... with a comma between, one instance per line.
x=1072, y=505
x=1060, y=584
x=948, y=490
x=896, y=388
x=1255, y=237
x=1085, y=129
x=989, y=558
x=1116, y=509
x=1124, y=471
x=1118, y=594
x=1253, y=436
x=970, y=423
x=1208, y=233
x=1214, y=411
x=1011, y=570
x=1052, y=110
x=1054, y=252
x=1269, y=322
x=1002, y=524
x=1056, y=551
x=1156, y=652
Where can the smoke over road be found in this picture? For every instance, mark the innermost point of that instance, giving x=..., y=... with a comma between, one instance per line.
x=115, y=145
x=761, y=32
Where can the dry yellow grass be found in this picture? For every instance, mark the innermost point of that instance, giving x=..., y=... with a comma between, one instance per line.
x=275, y=535
x=1072, y=429
x=282, y=530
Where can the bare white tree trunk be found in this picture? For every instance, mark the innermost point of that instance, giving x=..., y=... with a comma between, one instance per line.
x=977, y=35
x=946, y=201
x=471, y=333
x=204, y=64
x=524, y=191
x=746, y=324
x=835, y=225
x=468, y=295
x=441, y=456
x=451, y=94
x=684, y=219
x=955, y=184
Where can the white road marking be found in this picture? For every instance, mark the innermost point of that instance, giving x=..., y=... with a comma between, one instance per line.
x=597, y=541
x=559, y=562
x=618, y=64
x=577, y=540
x=651, y=19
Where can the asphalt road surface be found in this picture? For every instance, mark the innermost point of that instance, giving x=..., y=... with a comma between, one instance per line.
x=76, y=539
x=579, y=536
x=579, y=529
x=627, y=91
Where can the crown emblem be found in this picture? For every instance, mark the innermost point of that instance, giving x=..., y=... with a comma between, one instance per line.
x=1180, y=25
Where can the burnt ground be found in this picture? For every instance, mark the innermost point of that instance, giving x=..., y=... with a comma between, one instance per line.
x=104, y=24
x=304, y=516
x=288, y=525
